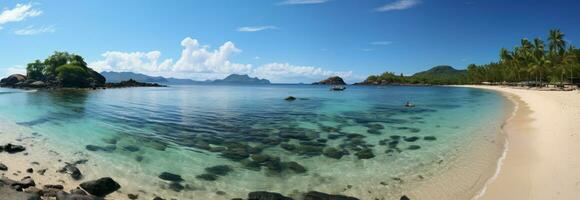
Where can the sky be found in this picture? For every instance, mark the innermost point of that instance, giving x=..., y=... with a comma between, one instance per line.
x=285, y=41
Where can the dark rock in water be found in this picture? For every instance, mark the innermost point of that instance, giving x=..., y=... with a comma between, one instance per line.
x=12, y=80
x=260, y=158
x=332, y=152
x=288, y=147
x=333, y=136
x=220, y=170
x=236, y=154
x=290, y=98
x=365, y=154
x=30, y=170
x=252, y=165
x=296, y=167
x=275, y=165
x=139, y=158
x=78, y=191
x=158, y=198
x=411, y=139
x=170, y=177
x=74, y=172
x=110, y=140
x=131, y=148
x=313, y=195
x=310, y=150
x=217, y=149
x=10, y=148
x=374, y=131
x=3, y=167
x=100, y=187
x=430, y=138
x=132, y=196
x=404, y=197
x=175, y=186
x=207, y=177
x=375, y=126
x=261, y=195
x=59, y=187
x=414, y=147
x=333, y=80
x=109, y=148
x=395, y=137
x=297, y=136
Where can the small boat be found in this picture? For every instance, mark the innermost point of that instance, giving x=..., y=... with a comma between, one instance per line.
x=338, y=88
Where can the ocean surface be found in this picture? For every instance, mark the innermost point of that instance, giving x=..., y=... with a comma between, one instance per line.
x=360, y=142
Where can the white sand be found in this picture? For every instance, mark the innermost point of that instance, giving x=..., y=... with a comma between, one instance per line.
x=543, y=157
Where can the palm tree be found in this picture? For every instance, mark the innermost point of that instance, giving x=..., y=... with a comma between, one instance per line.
x=557, y=44
x=570, y=61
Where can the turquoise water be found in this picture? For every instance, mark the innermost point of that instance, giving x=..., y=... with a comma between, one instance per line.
x=182, y=129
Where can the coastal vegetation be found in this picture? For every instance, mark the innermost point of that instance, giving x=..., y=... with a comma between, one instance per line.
x=438, y=75
x=65, y=70
x=533, y=62
x=333, y=80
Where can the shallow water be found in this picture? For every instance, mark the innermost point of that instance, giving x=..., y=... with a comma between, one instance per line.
x=178, y=129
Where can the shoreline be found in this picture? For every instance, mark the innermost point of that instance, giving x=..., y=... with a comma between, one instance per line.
x=541, y=159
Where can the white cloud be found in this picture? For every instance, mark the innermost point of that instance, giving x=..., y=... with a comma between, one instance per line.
x=256, y=28
x=18, y=13
x=287, y=73
x=381, y=43
x=133, y=62
x=32, y=30
x=199, y=62
x=399, y=5
x=299, y=2
x=14, y=70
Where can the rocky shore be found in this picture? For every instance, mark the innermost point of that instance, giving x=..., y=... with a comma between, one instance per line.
x=22, y=82
x=26, y=188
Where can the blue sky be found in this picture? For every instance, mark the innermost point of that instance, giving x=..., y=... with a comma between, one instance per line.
x=282, y=40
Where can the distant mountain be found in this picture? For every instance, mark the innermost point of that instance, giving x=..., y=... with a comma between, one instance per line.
x=333, y=80
x=117, y=77
x=443, y=74
x=439, y=75
x=242, y=79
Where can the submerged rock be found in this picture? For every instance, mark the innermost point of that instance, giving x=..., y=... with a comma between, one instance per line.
x=175, y=186
x=262, y=195
x=313, y=195
x=74, y=172
x=332, y=152
x=404, y=197
x=365, y=154
x=411, y=139
x=131, y=148
x=430, y=138
x=414, y=147
x=220, y=170
x=100, y=187
x=296, y=167
x=290, y=98
x=207, y=177
x=170, y=177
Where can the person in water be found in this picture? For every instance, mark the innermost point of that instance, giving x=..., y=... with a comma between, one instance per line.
x=408, y=104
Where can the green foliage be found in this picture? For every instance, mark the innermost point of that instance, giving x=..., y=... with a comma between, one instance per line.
x=34, y=70
x=72, y=76
x=531, y=64
x=66, y=69
x=439, y=75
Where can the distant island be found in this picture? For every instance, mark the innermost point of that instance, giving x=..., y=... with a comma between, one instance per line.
x=63, y=70
x=237, y=79
x=333, y=80
x=438, y=75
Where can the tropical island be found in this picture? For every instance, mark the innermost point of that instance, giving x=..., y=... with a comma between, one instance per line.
x=64, y=70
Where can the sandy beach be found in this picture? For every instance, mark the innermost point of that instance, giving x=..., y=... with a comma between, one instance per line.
x=542, y=159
